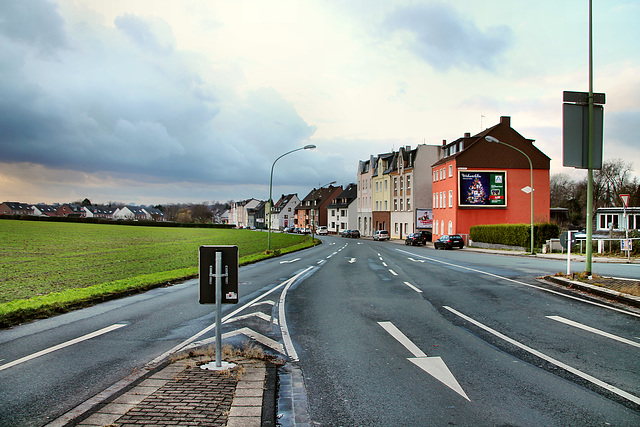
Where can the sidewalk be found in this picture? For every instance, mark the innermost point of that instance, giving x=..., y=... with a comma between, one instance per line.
x=183, y=394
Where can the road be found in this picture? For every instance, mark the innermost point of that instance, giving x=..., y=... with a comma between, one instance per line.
x=385, y=335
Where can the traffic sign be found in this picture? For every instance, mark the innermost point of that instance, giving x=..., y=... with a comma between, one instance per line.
x=625, y=200
x=563, y=239
x=228, y=274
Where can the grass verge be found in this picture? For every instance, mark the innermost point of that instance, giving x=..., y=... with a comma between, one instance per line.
x=51, y=301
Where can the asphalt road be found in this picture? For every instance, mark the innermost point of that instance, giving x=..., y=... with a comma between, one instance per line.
x=391, y=335
x=385, y=335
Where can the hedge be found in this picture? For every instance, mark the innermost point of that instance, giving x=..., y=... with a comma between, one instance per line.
x=514, y=234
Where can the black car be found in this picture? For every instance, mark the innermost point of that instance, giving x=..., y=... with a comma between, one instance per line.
x=345, y=233
x=415, y=239
x=449, y=241
x=427, y=235
x=355, y=234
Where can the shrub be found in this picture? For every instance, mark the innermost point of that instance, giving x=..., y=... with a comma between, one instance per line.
x=514, y=234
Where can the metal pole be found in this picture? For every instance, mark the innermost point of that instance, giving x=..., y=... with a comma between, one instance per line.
x=531, y=169
x=568, y=252
x=590, y=140
x=218, y=309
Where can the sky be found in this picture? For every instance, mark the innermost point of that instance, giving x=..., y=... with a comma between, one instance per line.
x=157, y=101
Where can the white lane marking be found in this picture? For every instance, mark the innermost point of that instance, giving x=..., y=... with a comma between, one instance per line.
x=392, y=272
x=289, y=262
x=332, y=255
x=385, y=264
x=284, y=330
x=525, y=284
x=63, y=345
x=434, y=366
x=352, y=260
x=380, y=258
x=593, y=330
x=549, y=359
x=322, y=261
x=413, y=287
x=415, y=260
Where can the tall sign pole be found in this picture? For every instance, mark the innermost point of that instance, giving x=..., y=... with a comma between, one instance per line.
x=590, y=157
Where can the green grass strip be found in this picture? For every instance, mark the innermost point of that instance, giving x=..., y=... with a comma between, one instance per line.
x=43, y=306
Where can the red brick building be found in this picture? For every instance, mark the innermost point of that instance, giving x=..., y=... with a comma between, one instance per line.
x=480, y=182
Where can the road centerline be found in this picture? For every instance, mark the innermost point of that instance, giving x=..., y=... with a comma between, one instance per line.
x=593, y=330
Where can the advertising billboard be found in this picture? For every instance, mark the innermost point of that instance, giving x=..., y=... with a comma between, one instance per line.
x=424, y=218
x=482, y=189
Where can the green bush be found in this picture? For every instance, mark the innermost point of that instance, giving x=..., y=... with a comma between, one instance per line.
x=514, y=234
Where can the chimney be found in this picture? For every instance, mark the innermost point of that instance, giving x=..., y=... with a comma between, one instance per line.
x=407, y=148
x=505, y=120
x=467, y=134
x=444, y=142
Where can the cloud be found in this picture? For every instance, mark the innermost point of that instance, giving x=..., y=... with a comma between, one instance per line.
x=123, y=101
x=33, y=22
x=445, y=39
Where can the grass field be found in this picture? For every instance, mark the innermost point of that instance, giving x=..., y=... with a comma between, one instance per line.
x=40, y=259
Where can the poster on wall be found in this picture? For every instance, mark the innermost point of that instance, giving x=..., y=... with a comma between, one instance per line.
x=482, y=189
x=424, y=218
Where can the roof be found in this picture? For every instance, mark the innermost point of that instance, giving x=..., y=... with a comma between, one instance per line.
x=345, y=198
x=15, y=206
x=317, y=196
x=476, y=152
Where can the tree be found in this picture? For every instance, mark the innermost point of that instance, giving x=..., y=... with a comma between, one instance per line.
x=86, y=202
x=609, y=182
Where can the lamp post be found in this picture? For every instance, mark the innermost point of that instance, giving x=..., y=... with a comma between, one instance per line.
x=497, y=141
x=306, y=147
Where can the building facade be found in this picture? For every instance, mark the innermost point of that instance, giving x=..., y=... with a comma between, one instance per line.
x=480, y=182
x=342, y=212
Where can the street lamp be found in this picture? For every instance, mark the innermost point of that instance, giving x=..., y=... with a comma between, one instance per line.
x=306, y=147
x=497, y=141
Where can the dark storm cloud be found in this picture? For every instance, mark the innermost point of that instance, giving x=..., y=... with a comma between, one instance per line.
x=446, y=39
x=125, y=101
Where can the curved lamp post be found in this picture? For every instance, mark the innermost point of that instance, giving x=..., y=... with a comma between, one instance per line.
x=497, y=141
x=306, y=147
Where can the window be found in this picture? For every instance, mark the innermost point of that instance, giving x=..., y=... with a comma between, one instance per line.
x=386, y=184
x=395, y=186
x=377, y=186
x=395, y=204
x=435, y=176
x=333, y=212
x=408, y=204
x=606, y=220
x=450, y=227
x=396, y=228
x=435, y=226
x=385, y=205
x=343, y=212
x=401, y=204
x=435, y=201
x=450, y=171
x=450, y=198
x=634, y=222
x=377, y=205
x=408, y=184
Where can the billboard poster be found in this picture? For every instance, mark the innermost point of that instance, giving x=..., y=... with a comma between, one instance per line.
x=424, y=218
x=482, y=189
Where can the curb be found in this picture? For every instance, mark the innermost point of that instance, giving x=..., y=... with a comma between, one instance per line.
x=597, y=290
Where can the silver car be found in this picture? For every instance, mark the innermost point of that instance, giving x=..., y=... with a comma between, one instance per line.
x=381, y=235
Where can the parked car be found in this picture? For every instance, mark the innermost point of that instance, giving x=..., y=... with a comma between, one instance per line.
x=449, y=241
x=427, y=235
x=296, y=230
x=345, y=233
x=322, y=230
x=381, y=235
x=355, y=234
x=415, y=239
x=305, y=230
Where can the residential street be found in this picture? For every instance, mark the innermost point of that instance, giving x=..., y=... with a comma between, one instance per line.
x=384, y=334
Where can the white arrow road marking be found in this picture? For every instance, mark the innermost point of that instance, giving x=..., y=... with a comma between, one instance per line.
x=433, y=366
x=63, y=345
x=593, y=330
x=412, y=287
x=415, y=260
x=268, y=302
x=259, y=314
x=549, y=359
x=289, y=262
x=352, y=260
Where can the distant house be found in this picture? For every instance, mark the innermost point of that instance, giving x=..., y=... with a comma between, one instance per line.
x=342, y=212
x=132, y=213
x=104, y=212
x=312, y=210
x=612, y=219
x=42, y=209
x=283, y=212
x=224, y=217
x=71, y=210
x=238, y=213
x=15, y=208
x=156, y=214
